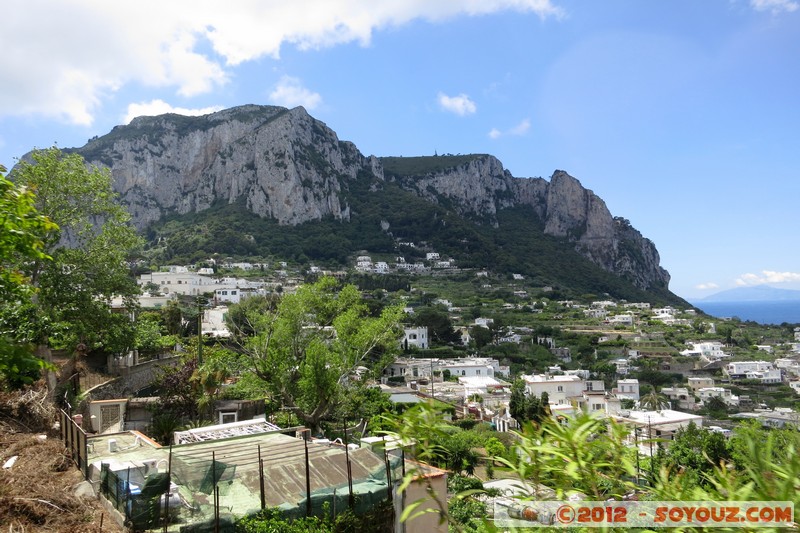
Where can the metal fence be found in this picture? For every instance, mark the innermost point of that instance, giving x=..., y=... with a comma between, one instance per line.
x=74, y=438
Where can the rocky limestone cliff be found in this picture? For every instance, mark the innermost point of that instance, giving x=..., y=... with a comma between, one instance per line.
x=286, y=165
x=482, y=187
x=283, y=163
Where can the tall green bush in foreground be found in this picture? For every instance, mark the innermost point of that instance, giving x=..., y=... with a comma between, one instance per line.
x=590, y=457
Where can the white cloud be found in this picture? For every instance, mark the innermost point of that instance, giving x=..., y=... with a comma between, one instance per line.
x=66, y=70
x=289, y=92
x=160, y=107
x=767, y=276
x=460, y=104
x=706, y=286
x=520, y=129
x=775, y=6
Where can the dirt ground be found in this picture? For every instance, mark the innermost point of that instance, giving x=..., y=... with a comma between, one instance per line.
x=37, y=493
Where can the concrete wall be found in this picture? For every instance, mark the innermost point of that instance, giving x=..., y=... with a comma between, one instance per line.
x=132, y=379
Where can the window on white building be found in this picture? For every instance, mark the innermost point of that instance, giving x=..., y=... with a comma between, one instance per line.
x=560, y=388
x=228, y=417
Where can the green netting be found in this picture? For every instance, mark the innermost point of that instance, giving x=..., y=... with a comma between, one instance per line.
x=235, y=474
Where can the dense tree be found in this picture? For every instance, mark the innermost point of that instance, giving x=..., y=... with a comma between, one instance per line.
x=481, y=336
x=698, y=449
x=237, y=316
x=89, y=243
x=310, y=348
x=440, y=327
x=716, y=407
x=527, y=408
x=516, y=404
x=22, y=229
x=653, y=402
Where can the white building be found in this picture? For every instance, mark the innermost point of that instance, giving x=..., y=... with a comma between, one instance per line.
x=709, y=350
x=773, y=375
x=722, y=393
x=696, y=383
x=653, y=427
x=229, y=295
x=788, y=365
x=213, y=323
x=432, y=256
x=415, y=337
x=184, y=282
x=471, y=366
x=364, y=263
x=559, y=389
x=627, y=389
x=603, y=304
x=595, y=312
x=623, y=320
x=623, y=366
x=680, y=397
x=484, y=322
x=741, y=369
x=461, y=367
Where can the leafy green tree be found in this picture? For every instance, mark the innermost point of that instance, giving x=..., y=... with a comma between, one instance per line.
x=151, y=335
x=716, y=407
x=697, y=449
x=89, y=242
x=440, y=327
x=364, y=402
x=237, y=316
x=517, y=402
x=22, y=229
x=480, y=336
x=586, y=455
x=653, y=401
x=309, y=350
x=527, y=408
x=494, y=448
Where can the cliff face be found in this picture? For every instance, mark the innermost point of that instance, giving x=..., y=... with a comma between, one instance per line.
x=283, y=163
x=288, y=166
x=482, y=187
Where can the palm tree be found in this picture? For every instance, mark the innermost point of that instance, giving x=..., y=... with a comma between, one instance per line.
x=653, y=402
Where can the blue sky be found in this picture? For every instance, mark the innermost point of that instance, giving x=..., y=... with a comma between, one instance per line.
x=683, y=115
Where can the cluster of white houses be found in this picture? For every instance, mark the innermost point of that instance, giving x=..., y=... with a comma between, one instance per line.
x=181, y=281
x=364, y=263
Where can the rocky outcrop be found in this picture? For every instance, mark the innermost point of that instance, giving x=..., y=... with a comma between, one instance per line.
x=283, y=163
x=482, y=187
x=286, y=165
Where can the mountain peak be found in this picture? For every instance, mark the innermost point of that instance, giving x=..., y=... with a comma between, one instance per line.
x=285, y=165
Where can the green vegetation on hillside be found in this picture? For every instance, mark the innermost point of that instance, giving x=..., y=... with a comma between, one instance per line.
x=517, y=244
x=421, y=165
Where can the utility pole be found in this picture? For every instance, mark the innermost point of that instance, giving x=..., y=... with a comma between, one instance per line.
x=431, y=377
x=199, y=331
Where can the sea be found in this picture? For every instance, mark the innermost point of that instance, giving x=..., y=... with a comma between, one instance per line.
x=763, y=312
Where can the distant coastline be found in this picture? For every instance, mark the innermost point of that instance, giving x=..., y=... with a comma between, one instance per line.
x=763, y=312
